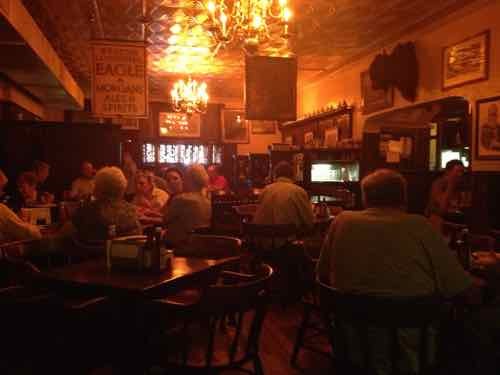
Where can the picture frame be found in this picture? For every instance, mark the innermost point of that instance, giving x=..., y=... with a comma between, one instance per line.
x=488, y=128
x=466, y=61
x=374, y=100
x=179, y=125
x=234, y=126
x=263, y=127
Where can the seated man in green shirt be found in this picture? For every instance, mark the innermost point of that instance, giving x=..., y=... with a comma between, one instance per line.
x=384, y=251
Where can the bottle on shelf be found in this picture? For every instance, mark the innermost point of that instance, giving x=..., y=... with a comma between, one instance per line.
x=111, y=234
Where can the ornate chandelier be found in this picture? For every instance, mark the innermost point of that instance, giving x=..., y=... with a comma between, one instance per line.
x=190, y=96
x=251, y=22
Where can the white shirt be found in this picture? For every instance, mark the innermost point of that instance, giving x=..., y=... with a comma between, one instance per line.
x=13, y=228
x=82, y=187
x=283, y=202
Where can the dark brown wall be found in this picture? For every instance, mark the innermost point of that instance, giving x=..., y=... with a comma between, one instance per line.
x=63, y=146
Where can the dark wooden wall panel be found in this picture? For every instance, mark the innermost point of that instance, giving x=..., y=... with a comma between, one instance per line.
x=63, y=146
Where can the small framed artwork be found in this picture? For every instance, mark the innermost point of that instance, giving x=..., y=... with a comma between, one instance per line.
x=309, y=139
x=331, y=137
x=344, y=125
x=372, y=99
x=466, y=61
x=488, y=128
x=234, y=126
x=179, y=125
x=263, y=127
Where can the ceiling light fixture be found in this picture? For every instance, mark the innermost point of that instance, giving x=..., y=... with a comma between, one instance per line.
x=250, y=22
x=190, y=96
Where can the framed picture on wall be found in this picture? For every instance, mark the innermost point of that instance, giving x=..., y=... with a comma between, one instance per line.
x=234, y=126
x=488, y=128
x=263, y=127
x=179, y=125
x=466, y=61
x=373, y=100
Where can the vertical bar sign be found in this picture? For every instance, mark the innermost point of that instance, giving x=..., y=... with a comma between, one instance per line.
x=119, y=80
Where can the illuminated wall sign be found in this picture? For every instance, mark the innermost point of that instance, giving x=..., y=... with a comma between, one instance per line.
x=119, y=81
x=179, y=125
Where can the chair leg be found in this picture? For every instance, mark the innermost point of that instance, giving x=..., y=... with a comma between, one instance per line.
x=257, y=365
x=299, y=341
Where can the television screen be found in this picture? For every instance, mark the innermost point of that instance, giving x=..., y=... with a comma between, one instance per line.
x=447, y=155
x=334, y=171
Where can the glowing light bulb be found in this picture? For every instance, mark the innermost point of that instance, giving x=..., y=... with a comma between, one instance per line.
x=211, y=7
x=257, y=22
x=176, y=28
x=287, y=14
x=173, y=39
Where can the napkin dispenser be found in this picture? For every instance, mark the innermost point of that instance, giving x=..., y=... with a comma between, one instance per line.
x=127, y=252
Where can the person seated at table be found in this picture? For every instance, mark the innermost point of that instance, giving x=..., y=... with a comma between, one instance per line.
x=41, y=170
x=217, y=182
x=445, y=193
x=11, y=226
x=129, y=168
x=283, y=202
x=83, y=187
x=158, y=181
x=90, y=223
x=385, y=251
x=29, y=195
x=148, y=199
x=189, y=210
x=175, y=181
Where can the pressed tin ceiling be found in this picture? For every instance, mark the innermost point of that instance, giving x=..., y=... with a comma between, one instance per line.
x=326, y=35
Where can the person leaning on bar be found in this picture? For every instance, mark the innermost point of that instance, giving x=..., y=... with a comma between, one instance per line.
x=444, y=194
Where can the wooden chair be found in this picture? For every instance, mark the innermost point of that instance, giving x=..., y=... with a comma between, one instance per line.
x=61, y=315
x=351, y=319
x=201, y=342
x=311, y=329
x=276, y=245
x=246, y=213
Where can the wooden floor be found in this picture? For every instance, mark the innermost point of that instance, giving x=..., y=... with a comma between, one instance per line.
x=277, y=339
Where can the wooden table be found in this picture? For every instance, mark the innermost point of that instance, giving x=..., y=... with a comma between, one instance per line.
x=94, y=275
x=130, y=292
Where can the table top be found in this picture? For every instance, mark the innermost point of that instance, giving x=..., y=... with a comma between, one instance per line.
x=94, y=274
